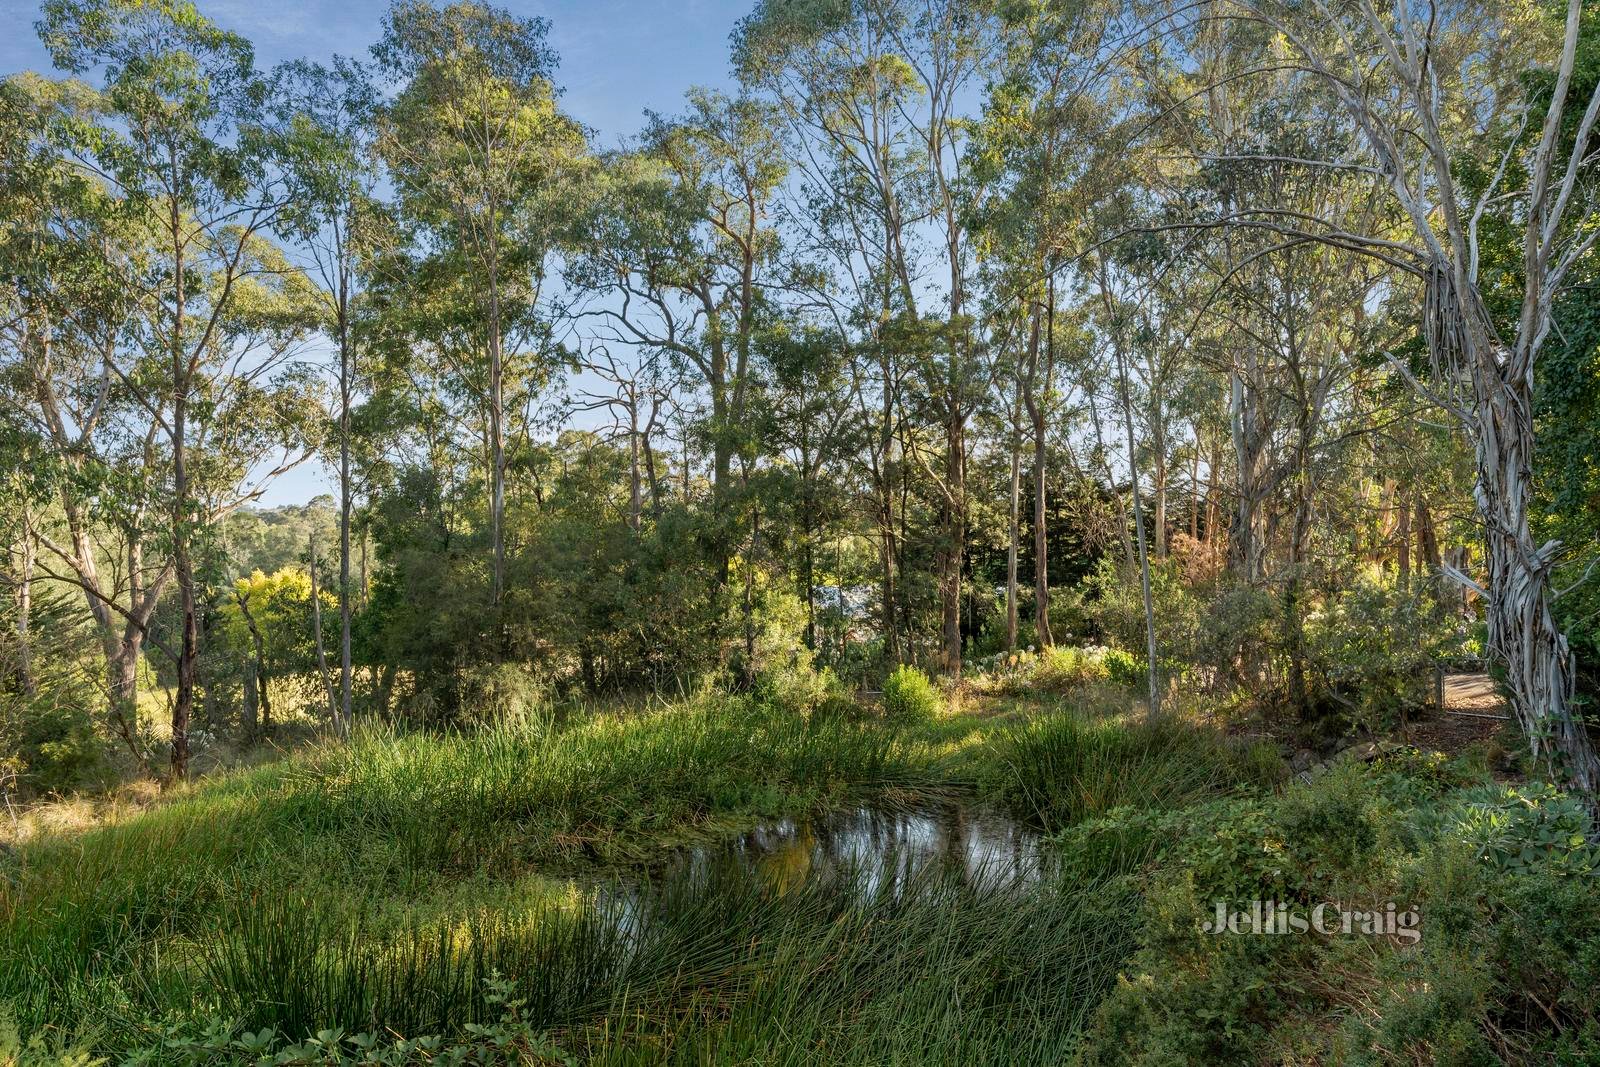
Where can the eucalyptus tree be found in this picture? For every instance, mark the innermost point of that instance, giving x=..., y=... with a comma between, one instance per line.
x=182, y=142
x=680, y=259
x=637, y=399
x=874, y=95
x=1421, y=96
x=814, y=429
x=484, y=165
x=1055, y=125
x=329, y=115
x=96, y=456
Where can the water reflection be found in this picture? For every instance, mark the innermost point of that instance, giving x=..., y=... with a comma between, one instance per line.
x=876, y=849
x=872, y=852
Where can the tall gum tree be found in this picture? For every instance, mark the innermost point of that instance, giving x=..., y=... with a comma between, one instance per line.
x=879, y=90
x=1422, y=96
x=481, y=157
x=182, y=143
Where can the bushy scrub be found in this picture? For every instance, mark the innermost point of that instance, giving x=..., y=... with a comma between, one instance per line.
x=1116, y=607
x=1372, y=651
x=1062, y=668
x=502, y=693
x=1509, y=947
x=1237, y=652
x=507, y=1039
x=908, y=695
x=1126, y=669
x=49, y=744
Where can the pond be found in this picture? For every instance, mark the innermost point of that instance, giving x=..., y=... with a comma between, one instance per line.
x=871, y=851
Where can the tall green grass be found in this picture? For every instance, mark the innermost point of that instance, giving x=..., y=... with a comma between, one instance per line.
x=381, y=884
x=1059, y=770
x=372, y=828
x=722, y=965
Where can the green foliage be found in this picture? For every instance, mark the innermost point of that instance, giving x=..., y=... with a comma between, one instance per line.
x=56, y=744
x=1062, y=668
x=1372, y=652
x=507, y=1039
x=277, y=608
x=1533, y=828
x=1501, y=879
x=1126, y=669
x=908, y=695
x=37, y=1051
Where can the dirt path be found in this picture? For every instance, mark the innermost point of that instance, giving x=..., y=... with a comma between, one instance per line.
x=1473, y=711
x=1474, y=693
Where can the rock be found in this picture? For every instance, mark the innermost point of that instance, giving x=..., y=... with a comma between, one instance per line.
x=1366, y=750
x=1302, y=760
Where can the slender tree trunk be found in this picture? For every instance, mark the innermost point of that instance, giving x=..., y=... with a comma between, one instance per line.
x=1041, y=538
x=316, y=630
x=635, y=482
x=1428, y=561
x=497, y=441
x=263, y=692
x=1041, y=523
x=809, y=560
x=1138, y=517
x=1158, y=452
x=183, y=565
x=343, y=716
x=1244, y=535
x=1014, y=534
x=25, y=605
x=650, y=474
x=1194, y=488
x=955, y=529
x=1036, y=393
x=1402, y=548
x=1293, y=589
x=252, y=699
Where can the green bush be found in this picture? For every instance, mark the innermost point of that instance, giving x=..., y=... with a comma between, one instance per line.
x=1504, y=969
x=1371, y=653
x=909, y=696
x=508, y=1040
x=1061, y=668
x=1126, y=669
x=57, y=749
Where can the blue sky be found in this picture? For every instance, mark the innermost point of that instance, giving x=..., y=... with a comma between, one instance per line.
x=618, y=57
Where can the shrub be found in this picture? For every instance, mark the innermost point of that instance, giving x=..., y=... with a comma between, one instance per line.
x=502, y=692
x=56, y=747
x=1126, y=669
x=1371, y=652
x=1237, y=650
x=1535, y=827
x=1063, y=667
x=508, y=1040
x=909, y=695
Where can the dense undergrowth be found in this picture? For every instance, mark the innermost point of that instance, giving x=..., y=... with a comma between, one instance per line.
x=425, y=898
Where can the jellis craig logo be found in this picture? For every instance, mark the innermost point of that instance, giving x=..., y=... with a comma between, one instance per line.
x=1330, y=919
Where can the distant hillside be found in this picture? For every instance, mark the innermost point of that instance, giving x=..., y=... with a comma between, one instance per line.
x=267, y=539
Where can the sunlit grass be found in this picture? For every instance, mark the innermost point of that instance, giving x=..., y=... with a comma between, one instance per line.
x=388, y=878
